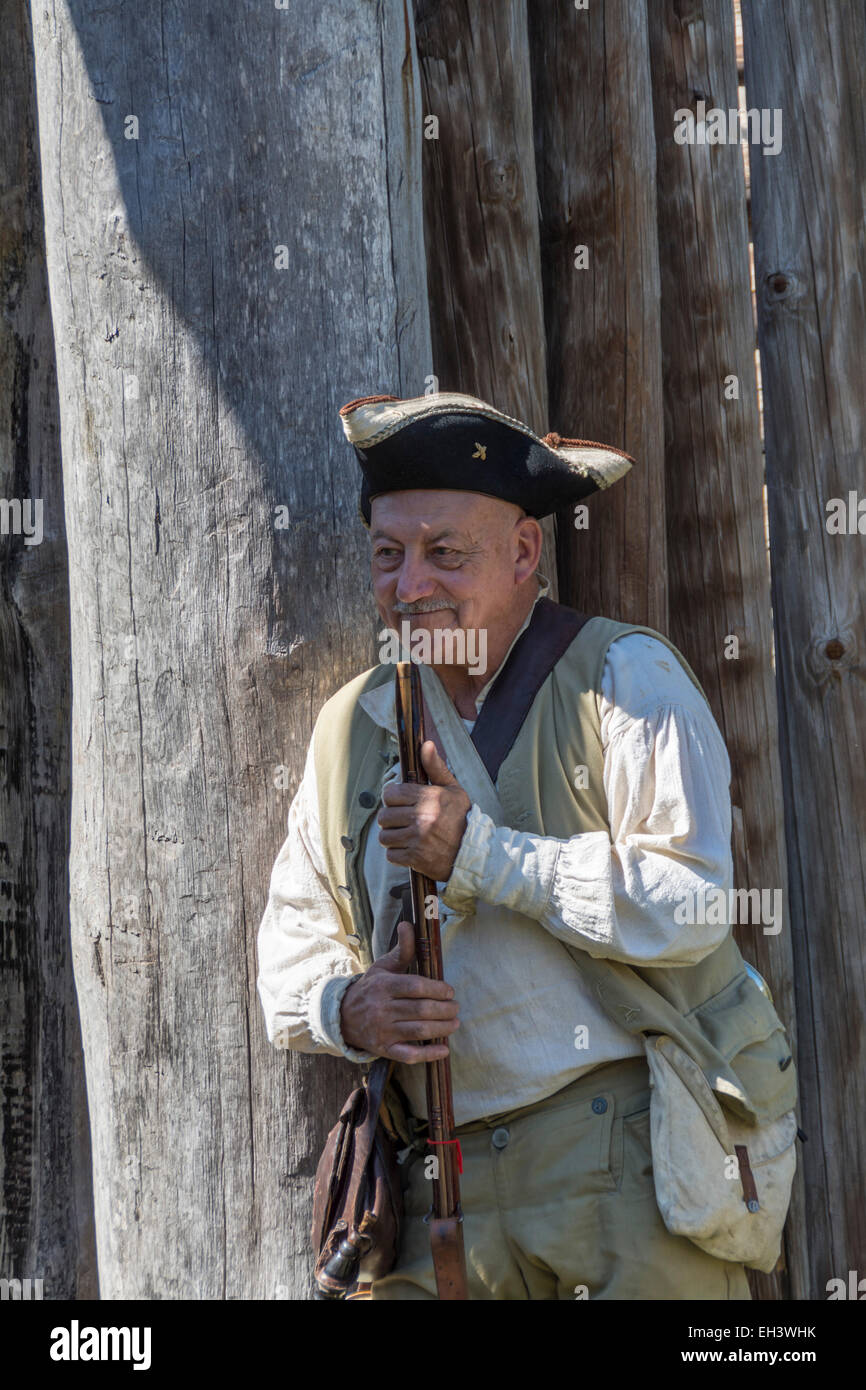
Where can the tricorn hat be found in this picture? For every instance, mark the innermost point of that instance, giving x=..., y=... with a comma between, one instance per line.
x=449, y=441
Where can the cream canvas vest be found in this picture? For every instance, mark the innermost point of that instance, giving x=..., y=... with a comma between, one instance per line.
x=713, y=1009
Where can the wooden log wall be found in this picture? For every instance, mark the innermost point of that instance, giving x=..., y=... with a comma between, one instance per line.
x=46, y=1218
x=595, y=157
x=718, y=567
x=808, y=212
x=223, y=277
x=480, y=212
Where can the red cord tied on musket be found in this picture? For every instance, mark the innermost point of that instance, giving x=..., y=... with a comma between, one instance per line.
x=451, y=1141
x=445, y=1217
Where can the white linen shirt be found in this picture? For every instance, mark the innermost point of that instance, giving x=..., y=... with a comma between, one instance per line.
x=666, y=780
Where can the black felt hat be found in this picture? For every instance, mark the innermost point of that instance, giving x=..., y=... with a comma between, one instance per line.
x=454, y=442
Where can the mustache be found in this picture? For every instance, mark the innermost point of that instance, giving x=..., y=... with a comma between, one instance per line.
x=424, y=605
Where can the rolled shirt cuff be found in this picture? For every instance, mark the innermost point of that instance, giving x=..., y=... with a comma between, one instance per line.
x=325, y=1001
x=501, y=866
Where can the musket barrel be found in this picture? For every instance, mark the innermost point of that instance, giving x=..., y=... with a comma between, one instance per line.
x=428, y=949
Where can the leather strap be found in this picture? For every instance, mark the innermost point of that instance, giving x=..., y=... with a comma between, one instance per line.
x=550, y=633
x=747, y=1178
x=365, y=1133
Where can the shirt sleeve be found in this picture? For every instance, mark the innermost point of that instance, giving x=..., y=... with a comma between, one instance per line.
x=625, y=895
x=305, y=961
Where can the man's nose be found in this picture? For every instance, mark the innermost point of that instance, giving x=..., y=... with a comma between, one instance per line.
x=414, y=581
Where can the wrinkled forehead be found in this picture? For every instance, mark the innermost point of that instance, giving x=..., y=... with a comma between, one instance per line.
x=420, y=511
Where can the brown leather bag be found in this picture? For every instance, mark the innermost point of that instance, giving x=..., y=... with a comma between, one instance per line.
x=358, y=1200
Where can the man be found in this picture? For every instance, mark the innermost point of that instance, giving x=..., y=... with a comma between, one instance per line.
x=568, y=859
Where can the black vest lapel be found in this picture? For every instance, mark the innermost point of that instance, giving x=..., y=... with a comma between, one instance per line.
x=550, y=633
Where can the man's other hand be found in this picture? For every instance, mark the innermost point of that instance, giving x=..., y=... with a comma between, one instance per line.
x=390, y=1013
x=422, y=826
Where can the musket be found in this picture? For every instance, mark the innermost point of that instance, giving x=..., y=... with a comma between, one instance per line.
x=445, y=1217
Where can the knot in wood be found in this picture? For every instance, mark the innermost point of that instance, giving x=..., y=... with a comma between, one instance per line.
x=500, y=180
x=831, y=655
x=782, y=285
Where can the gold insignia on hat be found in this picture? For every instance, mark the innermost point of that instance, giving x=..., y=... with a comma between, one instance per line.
x=480, y=451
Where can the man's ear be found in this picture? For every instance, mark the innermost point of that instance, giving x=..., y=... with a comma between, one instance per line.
x=530, y=539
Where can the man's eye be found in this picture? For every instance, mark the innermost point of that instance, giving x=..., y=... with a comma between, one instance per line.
x=385, y=552
x=443, y=550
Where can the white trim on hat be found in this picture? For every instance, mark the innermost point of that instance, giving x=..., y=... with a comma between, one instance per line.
x=372, y=421
x=604, y=466
x=367, y=425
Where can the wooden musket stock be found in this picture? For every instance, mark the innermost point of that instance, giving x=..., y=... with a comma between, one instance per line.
x=445, y=1218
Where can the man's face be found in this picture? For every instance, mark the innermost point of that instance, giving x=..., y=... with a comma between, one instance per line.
x=450, y=559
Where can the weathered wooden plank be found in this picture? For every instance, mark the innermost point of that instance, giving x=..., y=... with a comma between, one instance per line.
x=808, y=212
x=201, y=369
x=595, y=161
x=480, y=211
x=46, y=1223
x=718, y=569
